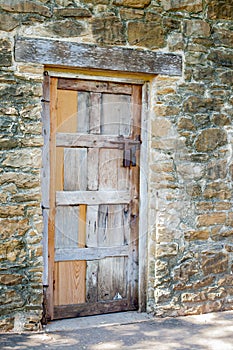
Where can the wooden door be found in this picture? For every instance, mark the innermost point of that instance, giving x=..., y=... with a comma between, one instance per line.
x=94, y=195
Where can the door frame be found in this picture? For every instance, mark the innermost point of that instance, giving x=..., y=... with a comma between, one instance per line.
x=144, y=81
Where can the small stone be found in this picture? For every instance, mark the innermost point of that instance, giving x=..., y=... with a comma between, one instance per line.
x=8, y=22
x=186, y=124
x=166, y=249
x=161, y=127
x=5, y=53
x=10, y=279
x=108, y=30
x=163, y=111
x=25, y=6
x=220, y=9
x=217, y=170
x=196, y=235
x=11, y=210
x=191, y=6
x=221, y=57
x=66, y=28
x=214, y=263
x=196, y=28
x=23, y=159
x=150, y=35
x=210, y=139
x=7, y=324
x=72, y=12
x=221, y=119
x=132, y=3
x=211, y=219
x=127, y=14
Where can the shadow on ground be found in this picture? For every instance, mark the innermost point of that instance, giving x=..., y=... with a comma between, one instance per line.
x=212, y=331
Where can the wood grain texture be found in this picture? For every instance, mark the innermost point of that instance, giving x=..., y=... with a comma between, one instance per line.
x=97, y=253
x=92, y=197
x=68, y=311
x=92, y=141
x=55, y=52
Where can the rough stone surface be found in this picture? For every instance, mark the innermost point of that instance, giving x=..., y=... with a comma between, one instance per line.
x=149, y=35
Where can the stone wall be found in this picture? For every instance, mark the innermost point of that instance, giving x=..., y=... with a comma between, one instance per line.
x=191, y=157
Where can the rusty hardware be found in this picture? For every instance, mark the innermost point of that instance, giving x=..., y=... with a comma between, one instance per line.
x=129, y=148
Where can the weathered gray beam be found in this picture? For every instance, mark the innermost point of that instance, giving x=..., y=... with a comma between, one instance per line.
x=70, y=54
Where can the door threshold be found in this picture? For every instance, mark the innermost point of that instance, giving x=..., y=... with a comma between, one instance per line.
x=97, y=321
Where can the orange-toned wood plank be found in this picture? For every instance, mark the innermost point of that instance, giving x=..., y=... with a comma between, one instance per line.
x=69, y=276
x=67, y=111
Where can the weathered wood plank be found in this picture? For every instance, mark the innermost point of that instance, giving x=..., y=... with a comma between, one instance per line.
x=45, y=172
x=70, y=289
x=55, y=52
x=51, y=223
x=92, y=197
x=83, y=115
x=115, y=117
x=91, y=141
x=68, y=311
x=70, y=254
x=94, y=86
x=75, y=169
x=112, y=283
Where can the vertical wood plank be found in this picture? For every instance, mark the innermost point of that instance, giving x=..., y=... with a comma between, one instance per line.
x=51, y=224
x=116, y=114
x=83, y=116
x=46, y=135
x=93, y=169
x=112, y=279
x=66, y=111
x=134, y=180
x=75, y=169
x=95, y=99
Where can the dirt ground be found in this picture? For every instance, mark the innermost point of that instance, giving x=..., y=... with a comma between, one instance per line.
x=131, y=331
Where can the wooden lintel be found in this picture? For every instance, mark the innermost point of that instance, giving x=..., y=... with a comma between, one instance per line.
x=69, y=254
x=71, y=54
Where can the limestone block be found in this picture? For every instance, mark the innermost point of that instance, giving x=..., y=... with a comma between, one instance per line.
x=190, y=171
x=163, y=110
x=11, y=211
x=185, y=270
x=196, y=28
x=210, y=139
x=223, y=36
x=206, y=281
x=161, y=127
x=10, y=279
x=13, y=227
x=72, y=12
x=174, y=5
x=21, y=180
x=25, y=6
x=8, y=22
x=132, y=3
x=220, y=9
x=149, y=34
x=221, y=57
x=217, y=170
x=217, y=190
x=5, y=53
x=7, y=324
x=214, y=263
x=194, y=235
x=127, y=14
x=65, y=29
x=211, y=219
x=108, y=30
x=221, y=119
x=23, y=158
x=166, y=249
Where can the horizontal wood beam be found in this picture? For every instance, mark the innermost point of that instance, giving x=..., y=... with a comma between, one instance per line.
x=92, y=197
x=71, y=54
x=77, y=310
x=71, y=254
x=92, y=140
